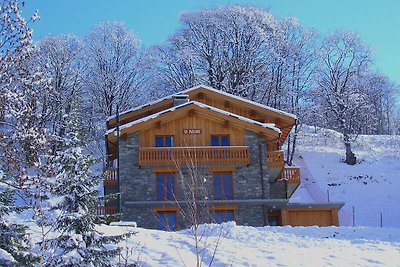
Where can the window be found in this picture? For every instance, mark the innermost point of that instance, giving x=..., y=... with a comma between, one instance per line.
x=165, y=186
x=164, y=141
x=220, y=140
x=223, y=185
x=166, y=220
x=224, y=216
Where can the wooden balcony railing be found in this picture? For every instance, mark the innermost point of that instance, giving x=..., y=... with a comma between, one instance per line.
x=107, y=210
x=275, y=159
x=292, y=176
x=208, y=155
x=110, y=177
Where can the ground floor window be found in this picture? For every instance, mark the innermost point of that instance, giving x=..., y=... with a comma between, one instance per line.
x=274, y=218
x=224, y=216
x=166, y=220
x=224, y=213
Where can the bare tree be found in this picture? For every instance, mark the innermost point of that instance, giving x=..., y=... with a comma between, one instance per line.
x=59, y=57
x=344, y=64
x=226, y=48
x=111, y=61
x=192, y=200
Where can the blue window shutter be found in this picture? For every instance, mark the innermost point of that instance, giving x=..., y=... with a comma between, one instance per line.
x=218, y=217
x=229, y=216
x=170, y=186
x=171, y=220
x=159, y=141
x=227, y=186
x=161, y=221
x=215, y=140
x=160, y=187
x=169, y=141
x=217, y=186
x=225, y=140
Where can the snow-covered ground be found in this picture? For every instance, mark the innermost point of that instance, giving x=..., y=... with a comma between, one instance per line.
x=267, y=246
x=372, y=186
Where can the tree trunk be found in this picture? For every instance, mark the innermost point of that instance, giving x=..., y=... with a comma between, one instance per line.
x=350, y=157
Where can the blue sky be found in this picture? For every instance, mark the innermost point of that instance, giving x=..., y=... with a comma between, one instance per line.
x=378, y=22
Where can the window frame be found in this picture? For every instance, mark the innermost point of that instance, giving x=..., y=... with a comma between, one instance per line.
x=165, y=211
x=222, y=185
x=219, y=138
x=224, y=209
x=164, y=140
x=165, y=183
x=223, y=215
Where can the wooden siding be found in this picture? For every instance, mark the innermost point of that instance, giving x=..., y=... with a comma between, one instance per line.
x=245, y=109
x=196, y=121
x=309, y=217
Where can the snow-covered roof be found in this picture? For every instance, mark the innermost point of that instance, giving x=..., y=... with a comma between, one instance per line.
x=239, y=98
x=270, y=126
x=210, y=89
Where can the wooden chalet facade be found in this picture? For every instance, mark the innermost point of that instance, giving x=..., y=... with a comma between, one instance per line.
x=211, y=148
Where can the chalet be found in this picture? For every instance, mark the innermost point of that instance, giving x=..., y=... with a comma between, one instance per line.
x=209, y=154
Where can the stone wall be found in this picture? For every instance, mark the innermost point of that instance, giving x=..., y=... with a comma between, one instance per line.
x=139, y=184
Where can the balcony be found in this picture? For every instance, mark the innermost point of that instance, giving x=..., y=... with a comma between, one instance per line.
x=110, y=177
x=292, y=177
x=205, y=155
x=107, y=210
x=275, y=161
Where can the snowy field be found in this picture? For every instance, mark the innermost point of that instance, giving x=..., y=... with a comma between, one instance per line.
x=267, y=246
x=372, y=186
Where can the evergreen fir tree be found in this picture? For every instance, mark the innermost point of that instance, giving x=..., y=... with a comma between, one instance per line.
x=78, y=242
x=14, y=242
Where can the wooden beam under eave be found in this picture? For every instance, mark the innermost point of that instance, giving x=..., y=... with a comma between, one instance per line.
x=191, y=113
x=226, y=124
x=200, y=95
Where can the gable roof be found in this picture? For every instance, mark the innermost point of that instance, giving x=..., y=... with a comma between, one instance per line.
x=283, y=120
x=178, y=111
x=169, y=98
x=269, y=127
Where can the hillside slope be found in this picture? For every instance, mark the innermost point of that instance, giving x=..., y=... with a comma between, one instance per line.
x=371, y=186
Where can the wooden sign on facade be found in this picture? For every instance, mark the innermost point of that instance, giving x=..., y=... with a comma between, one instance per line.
x=191, y=131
